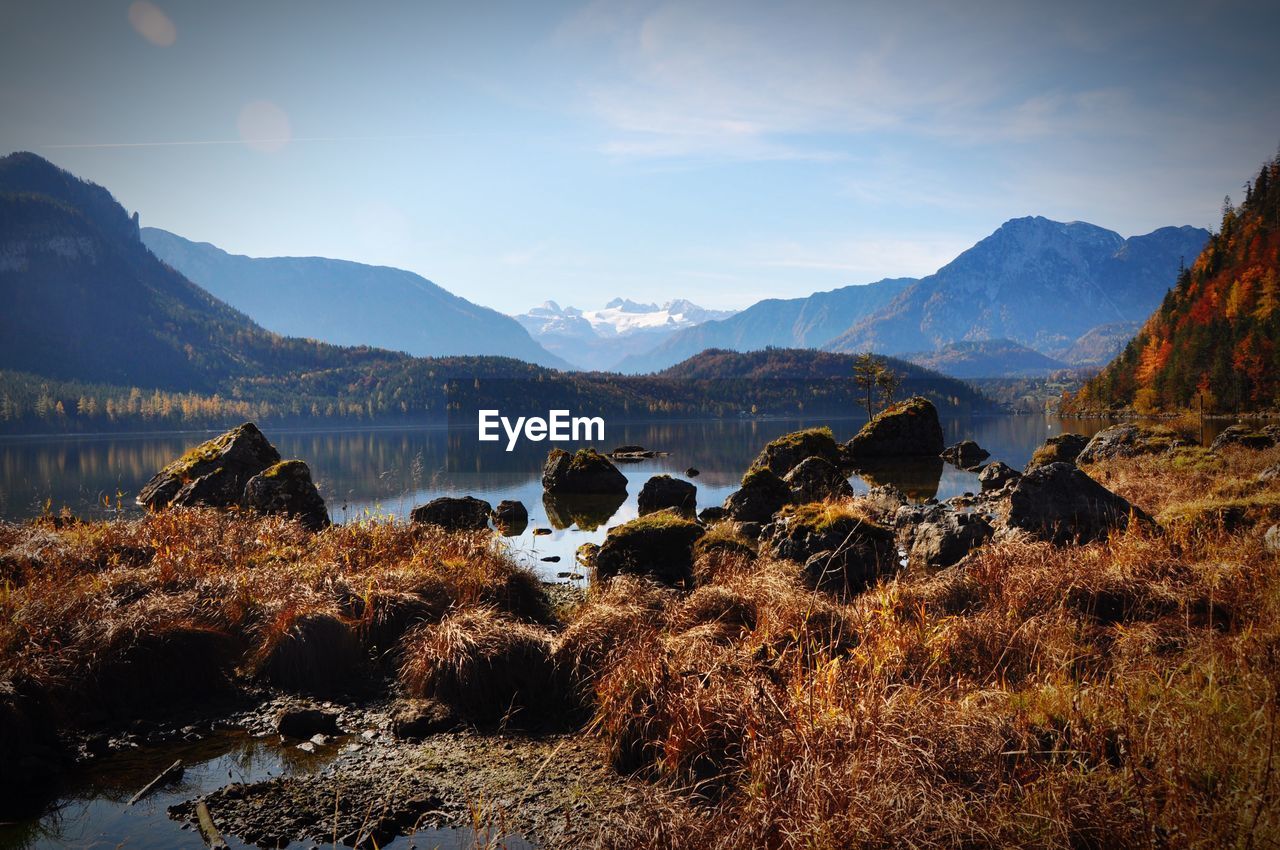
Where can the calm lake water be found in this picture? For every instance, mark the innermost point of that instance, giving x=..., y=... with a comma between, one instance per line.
x=387, y=472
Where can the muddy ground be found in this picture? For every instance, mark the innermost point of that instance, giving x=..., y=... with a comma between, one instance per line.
x=552, y=789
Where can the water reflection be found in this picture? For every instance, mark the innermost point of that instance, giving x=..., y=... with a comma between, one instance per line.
x=388, y=472
x=586, y=512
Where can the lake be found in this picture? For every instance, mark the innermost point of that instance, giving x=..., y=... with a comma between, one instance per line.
x=375, y=473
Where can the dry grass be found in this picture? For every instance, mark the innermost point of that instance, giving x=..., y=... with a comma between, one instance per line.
x=1113, y=695
x=257, y=597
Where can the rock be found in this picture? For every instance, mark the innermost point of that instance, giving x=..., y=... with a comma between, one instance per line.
x=632, y=452
x=965, y=454
x=415, y=719
x=659, y=545
x=663, y=491
x=761, y=495
x=908, y=428
x=586, y=554
x=583, y=472
x=1271, y=473
x=511, y=517
x=749, y=530
x=711, y=515
x=1128, y=440
x=286, y=488
x=883, y=501
x=938, y=536
x=1244, y=436
x=994, y=476
x=303, y=723
x=692, y=472
x=842, y=549
x=1272, y=539
x=1059, y=503
x=816, y=479
x=551, y=559
x=453, y=513
x=1063, y=448
x=784, y=454
x=212, y=474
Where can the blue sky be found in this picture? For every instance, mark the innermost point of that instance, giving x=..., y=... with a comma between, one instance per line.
x=719, y=151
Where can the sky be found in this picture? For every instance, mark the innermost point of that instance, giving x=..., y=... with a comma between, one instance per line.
x=723, y=152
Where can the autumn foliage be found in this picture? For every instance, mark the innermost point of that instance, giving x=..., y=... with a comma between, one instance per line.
x=1216, y=337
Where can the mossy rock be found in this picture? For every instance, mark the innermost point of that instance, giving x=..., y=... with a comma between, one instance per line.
x=1063, y=448
x=586, y=471
x=841, y=546
x=658, y=545
x=212, y=474
x=784, y=454
x=762, y=495
x=907, y=429
x=286, y=488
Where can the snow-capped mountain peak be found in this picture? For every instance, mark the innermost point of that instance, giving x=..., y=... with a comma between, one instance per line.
x=619, y=317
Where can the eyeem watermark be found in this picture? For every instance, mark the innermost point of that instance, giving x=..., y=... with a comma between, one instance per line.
x=558, y=427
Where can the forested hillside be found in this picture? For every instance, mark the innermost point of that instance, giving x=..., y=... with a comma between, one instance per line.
x=1216, y=337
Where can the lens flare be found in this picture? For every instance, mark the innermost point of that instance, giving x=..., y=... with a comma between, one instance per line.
x=152, y=23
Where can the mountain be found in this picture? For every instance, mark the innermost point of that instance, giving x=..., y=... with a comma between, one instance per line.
x=348, y=303
x=787, y=323
x=84, y=298
x=1098, y=345
x=599, y=339
x=1036, y=282
x=1215, y=339
x=987, y=359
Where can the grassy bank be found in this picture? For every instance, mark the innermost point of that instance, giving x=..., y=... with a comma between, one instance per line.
x=1119, y=694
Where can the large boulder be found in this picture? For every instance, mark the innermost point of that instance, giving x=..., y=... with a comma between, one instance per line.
x=214, y=473
x=452, y=513
x=761, y=495
x=1059, y=503
x=907, y=429
x=995, y=475
x=1063, y=448
x=817, y=479
x=584, y=472
x=287, y=488
x=784, y=454
x=663, y=491
x=965, y=454
x=1247, y=437
x=841, y=547
x=1128, y=440
x=938, y=535
x=659, y=545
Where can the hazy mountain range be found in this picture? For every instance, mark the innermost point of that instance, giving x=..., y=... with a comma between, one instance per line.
x=601, y=339
x=348, y=303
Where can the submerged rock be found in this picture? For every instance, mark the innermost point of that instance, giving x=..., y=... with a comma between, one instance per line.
x=453, y=513
x=663, y=491
x=214, y=473
x=761, y=495
x=585, y=472
x=1063, y=448
x=1128, y=440
x=511, y=517
x=842, y=549
x=965, y=454
x=908, y=428
x=1061, y=504
x=816, y=479
x=287, y=488
x=659, y=545
x=784, y=454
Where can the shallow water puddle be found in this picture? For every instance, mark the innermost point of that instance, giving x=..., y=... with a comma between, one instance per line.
x=92, y=811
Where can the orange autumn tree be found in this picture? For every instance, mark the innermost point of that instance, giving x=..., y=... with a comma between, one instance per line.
x=1216, y=337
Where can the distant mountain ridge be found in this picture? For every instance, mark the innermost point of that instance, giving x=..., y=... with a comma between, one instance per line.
x=348, y=303
x=996, y=358
x=1040, y=283
x=786, y=323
